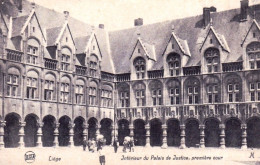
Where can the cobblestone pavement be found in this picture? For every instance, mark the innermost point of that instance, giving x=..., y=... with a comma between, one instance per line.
x=154, y=156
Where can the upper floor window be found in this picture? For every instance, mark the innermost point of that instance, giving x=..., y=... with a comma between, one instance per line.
x=212, y=60
x=193, y=91
x=93, y=66
x=106, y=98
x=12, y=84
x=174, y=62
x=65, y=62
x=79, y=93
x=31, y=87
x=123, y=95
x=93, y=93
x=139, y=64
x=156, y=92
x=139, y=89
x=212, y=89
x=64, y=92
x=254, y=89
x=174, y=91
x=48, y=90
x=234, y=88
x=253, y=52
x=32, y=54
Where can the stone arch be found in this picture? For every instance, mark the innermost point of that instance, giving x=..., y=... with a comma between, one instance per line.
x=173, y=132
x=78, y=131
x=192, y=132
x=106, y=129
x=253, y=132
x=212, y=132
x=11, y=130
x=156, y=132
x=92, y=127
x=139, y=132
x=49, y=122
x=33, y=41
x=30, y=130
x=123, y=130
x=233, y=132
x=64, y=129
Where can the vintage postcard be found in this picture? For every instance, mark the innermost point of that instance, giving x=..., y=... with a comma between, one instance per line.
x=135, y=82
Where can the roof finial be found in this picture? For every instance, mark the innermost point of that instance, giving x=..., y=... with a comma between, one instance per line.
x=138, y=33
x=172, y=28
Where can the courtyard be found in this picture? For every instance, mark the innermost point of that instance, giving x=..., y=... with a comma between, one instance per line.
x=141, y=156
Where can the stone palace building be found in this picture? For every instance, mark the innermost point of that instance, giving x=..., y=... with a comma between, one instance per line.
x=191, y=82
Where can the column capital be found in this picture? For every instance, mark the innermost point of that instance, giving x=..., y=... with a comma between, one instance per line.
x=147, y=126
x=40, y=124
x=164, y=126
x=182, y=126
x=201, y=126
x=243, y=126
x=2, y=123
x=22, y=124
x=222, y=126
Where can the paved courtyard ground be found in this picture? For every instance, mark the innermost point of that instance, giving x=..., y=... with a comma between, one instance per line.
x=141, y=156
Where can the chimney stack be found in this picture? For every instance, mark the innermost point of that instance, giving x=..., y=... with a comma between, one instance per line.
x=138, y=22
x=206, y=14
x=66, y=14
x=20, y=5
x=243, y=10
x=101, y=26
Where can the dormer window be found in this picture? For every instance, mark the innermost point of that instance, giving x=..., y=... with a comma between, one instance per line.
x=93, y=47
x=32, y=54
x=254, y=35
x=66, y=39
x=65, y=62
x=253, y=51
x=174, y=61
x=139, y=64
x=33, y=29
x=211, y=41
x=172, y=46
x=212, y=60
x=139, y=51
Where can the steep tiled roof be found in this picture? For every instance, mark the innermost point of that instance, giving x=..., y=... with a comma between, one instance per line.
x=81, y=43
x=18, y=23
x=225, y=23
x=52, y=35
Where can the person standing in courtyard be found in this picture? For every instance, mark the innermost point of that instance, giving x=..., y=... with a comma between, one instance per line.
x=102, y=158
x=84, y=144
x=131, y=145
x=115, y=145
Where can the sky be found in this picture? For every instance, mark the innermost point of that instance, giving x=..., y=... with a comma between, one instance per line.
x=120, y=14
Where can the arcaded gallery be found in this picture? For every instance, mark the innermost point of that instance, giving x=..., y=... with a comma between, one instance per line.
x=190, y=82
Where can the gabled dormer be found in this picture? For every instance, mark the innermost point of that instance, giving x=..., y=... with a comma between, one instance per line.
x=214, y=51
x=88, y=50
x=28, y=36
x=175, y=56
x=142, y=58
x=251, y=47
x=61, y=45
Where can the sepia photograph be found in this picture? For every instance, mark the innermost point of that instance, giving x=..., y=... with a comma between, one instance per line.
x=134, y=82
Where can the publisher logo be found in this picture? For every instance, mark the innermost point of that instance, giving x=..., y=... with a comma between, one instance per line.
x=29, y=157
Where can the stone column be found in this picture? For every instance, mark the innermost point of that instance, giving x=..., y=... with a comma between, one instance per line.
x=182, y=127
x=202, y=135
x=131, y=127
x=164, y=142
x=21, y=134
x=222, y=136
x=244, y=135
x=98, y=130
x=2, y=133
x=39, y=135
x=85, y=131
x=113, y=134
x=147, y=128
x=71, y=134
x=56, y=134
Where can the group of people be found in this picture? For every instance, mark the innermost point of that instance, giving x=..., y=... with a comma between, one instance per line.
x=127, y=144
x=92, y=145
